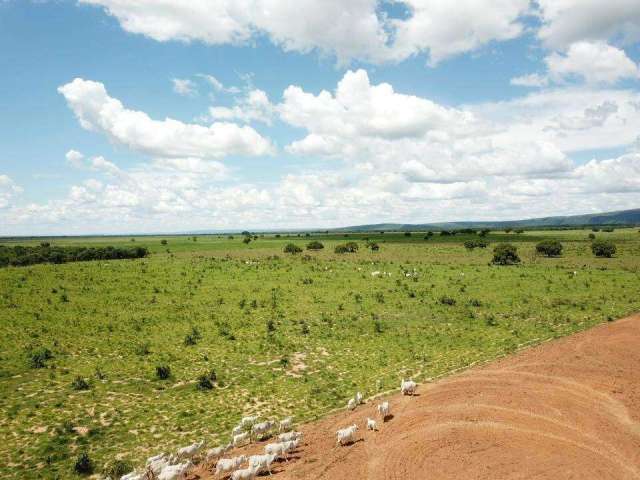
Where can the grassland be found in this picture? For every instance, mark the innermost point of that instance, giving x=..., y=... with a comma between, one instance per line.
x=285, y=334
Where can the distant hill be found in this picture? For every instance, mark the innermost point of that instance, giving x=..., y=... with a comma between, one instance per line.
x=624, y=217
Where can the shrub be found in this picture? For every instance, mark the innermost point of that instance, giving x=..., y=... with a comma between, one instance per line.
x=204, y=383
x=374, y=246
x=117, y=468
x=592, y=236
x=246, y=240
x=39, y=357
x=505, y=254
x=83, y=465
x=163, y=242
x=484, y=232
x=291, y=248
x=444, y=300
x=349, y=247
x=79, y=383
x=407, y=234
x=550, y=248
x=603, y=248
x=315, y=245
x=163, y=372
x=477, y=243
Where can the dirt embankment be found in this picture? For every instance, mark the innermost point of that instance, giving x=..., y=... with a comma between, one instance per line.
x=567, y=409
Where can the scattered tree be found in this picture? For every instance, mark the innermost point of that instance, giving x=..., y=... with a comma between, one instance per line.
x=291, y=248
x=315, y=245
x=603, y=248
x=550, y=248
x=505, y=254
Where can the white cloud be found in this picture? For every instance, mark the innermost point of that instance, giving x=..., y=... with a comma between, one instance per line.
x=530, y=80
x=595, y=62
x=184, y=86
x=8, y=190
x=569, y=21
x=74, y=158
x=447, y=28
x=421, y=139
x=255, y=106
x=350, y=30
x=217, y=85
x=97, y=111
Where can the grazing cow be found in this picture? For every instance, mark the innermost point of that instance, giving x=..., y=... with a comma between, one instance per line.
x=346, y=435
x=285, y=437
x=358, y=398
x=291, y=445
x=237, y=430
x=225, y=465
x=245, y=474
x=285, y=424
x=372, y=424
x=191, y=450
x=408, y=387
x=241, y=439
x=351, y=404
x=384, y=410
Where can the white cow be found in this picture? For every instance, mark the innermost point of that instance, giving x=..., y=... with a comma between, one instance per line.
x=173, y=472
x=150, y=460
x=285, y=437
x=351, y=404
x=408, y=387
x=215, y=453
x=277, y=449
x=262, y=428
x=372, y=424
x=384, y=410
x=238, y=429
x=358, y=398
x=245, y=474
x=191, y=450
x=241, y=439
x=158, y=463
x=346, y=435
x=291, y=445
x=285, y=424
x=262, y=462
x=226, y=465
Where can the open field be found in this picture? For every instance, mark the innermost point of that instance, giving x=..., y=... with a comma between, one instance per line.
x=286, y=335
x=569, y=408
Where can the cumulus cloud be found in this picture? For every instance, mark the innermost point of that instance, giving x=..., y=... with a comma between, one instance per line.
x=357, y=29
x=255, y=106
x=425, y=141
x=74, y=158
x=99, y=112
x=567, y=21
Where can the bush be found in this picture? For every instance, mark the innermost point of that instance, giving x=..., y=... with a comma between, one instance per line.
x=39, y=357
x=550, y=248
x=471, y=244
x=246, y=240
x=592, y=236
x=291, y=248
x=407, y=234
x=315, y=245
x=444, y=300
x=505, y=254
x=45, y=253
x=163, y=242
x=374, y=246
x=117, y=468
x=349, y=247
x=204, y=383
x=163, y=372
x=603, y=248
x=79, y=383
x=83, y=465
x=484, y=232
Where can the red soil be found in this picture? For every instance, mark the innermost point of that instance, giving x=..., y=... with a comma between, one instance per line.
x=567, y=409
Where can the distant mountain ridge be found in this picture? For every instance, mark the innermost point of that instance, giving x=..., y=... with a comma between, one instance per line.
x=623, y=217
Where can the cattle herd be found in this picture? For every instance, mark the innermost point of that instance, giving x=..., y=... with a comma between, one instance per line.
x=242, y=467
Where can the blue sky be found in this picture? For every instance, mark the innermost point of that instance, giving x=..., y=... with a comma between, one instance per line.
x=428, y=113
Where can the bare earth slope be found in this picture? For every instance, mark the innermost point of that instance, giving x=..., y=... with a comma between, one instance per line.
x=567, y=409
